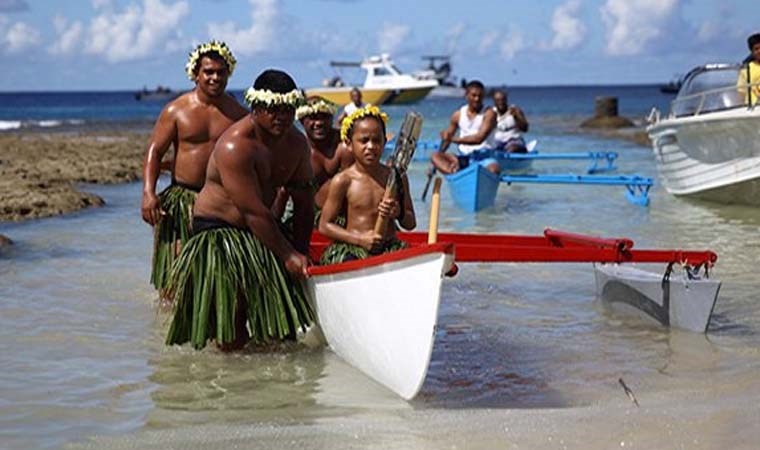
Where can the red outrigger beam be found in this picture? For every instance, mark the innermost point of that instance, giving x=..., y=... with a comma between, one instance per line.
x=552, y=246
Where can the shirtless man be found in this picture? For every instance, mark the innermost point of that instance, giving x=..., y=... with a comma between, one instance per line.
x=476, y=125
x=238, y=262
x=191, y=124
x=361, y=188
x=329, y=154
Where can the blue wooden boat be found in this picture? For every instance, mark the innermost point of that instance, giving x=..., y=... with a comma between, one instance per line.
x=474, y=187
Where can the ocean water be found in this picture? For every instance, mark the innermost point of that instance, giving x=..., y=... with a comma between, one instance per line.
x=88, y=110
x=525, y=357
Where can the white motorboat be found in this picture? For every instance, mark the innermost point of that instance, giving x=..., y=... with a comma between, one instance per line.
x=677, y=300
x=384, y=83
x=708, y=146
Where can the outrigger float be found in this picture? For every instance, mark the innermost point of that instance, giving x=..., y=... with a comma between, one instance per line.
x=380, y=313
x=474, y=188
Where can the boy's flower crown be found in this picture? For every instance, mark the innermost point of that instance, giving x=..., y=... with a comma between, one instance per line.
x=211, y=46
x=268, y=98
x=315, y=106
x=367, y=111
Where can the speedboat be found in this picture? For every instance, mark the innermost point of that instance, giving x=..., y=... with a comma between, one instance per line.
x=708, y=146
x=384, y=84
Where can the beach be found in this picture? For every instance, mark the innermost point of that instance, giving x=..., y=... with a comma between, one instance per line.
x=524, y=355
x=39, y=172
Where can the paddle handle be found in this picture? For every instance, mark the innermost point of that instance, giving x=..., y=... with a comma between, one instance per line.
x=382, y=222
x=435, y=207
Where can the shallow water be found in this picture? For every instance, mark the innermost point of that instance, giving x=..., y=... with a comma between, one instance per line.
x=524, y=355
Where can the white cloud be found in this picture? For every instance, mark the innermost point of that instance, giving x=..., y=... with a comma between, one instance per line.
x=391, y=36
x=17, y=37
x=136, y=32
x=453, y=35
x=487, y=42
x=634, y=25
x=512, y=44
x=102, y=4
x=68, y=38
x=258, y=37
x=569, y=30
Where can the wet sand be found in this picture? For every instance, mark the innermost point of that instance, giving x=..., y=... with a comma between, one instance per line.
x=39, y=172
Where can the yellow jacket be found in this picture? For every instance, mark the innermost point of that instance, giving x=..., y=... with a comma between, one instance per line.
x=754, y=78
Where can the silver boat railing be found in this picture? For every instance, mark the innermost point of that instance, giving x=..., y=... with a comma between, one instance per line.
x=719, y=99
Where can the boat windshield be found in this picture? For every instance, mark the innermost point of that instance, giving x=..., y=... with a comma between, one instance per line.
x=709, y=89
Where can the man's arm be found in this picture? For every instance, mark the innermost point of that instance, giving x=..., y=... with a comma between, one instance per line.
x=164, y=134
x=237, y=167
x=520, y=121
x=489, y=122
x=449, y=132
x=302, y=192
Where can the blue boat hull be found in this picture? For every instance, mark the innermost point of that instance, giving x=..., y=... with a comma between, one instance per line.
x=473, y=188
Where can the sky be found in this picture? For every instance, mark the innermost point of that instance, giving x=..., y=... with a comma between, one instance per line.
x=52, y=45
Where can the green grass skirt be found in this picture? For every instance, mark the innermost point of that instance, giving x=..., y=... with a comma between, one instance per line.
x=338, y=252
x=177, y=202
x=213, y=269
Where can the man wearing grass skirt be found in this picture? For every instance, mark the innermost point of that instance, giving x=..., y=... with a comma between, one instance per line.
x=238, y=273
x=191, y=124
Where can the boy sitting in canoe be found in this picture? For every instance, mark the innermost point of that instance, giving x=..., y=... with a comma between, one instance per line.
x=359, y=191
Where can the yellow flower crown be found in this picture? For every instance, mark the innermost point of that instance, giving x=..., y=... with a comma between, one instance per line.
x=211, y=46
x=268, y=98
x=316, y=106
x=367, y=111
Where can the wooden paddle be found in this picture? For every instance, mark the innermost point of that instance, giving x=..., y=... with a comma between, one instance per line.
x=435, y=207
x=406, y=143
x=430, y=173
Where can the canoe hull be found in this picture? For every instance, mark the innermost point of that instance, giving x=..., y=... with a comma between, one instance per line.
x=684, y=304
x=473, y=188
x=381, y=319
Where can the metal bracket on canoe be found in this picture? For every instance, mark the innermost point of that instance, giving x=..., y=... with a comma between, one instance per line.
x=600, y=161
x=637, y=187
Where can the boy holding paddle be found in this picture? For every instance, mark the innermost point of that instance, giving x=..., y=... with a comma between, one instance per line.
x=361, y=188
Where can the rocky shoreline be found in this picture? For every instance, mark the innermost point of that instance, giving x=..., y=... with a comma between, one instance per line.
x=39, y=172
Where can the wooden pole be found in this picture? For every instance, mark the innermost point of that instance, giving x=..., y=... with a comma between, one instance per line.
x=435, y=206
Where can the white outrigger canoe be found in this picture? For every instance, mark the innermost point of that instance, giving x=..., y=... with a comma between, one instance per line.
x=379, y=314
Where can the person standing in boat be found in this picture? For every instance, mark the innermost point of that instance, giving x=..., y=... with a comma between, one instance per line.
x=749, y=74
x=191, y=124
x=510, y=124
x=361, y=188
x=329, y=154
x=238, y=271
x=356, y=103
x=477, y=126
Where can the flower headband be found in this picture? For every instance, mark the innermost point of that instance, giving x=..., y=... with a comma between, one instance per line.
x=268, y=98
x=316, y=106
x=211, y=46
x=367, y=111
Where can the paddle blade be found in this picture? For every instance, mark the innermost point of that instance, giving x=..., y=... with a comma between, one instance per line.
x=406, y=141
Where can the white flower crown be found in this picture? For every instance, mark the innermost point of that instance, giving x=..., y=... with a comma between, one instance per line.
x=266, y=97
x=316, y=107
x=211, y=46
